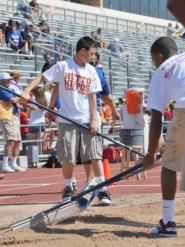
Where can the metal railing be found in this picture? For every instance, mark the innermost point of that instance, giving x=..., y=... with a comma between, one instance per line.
x=39, y=141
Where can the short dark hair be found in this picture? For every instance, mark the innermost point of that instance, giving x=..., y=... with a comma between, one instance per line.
x=10, y=22
x=85, y=42
x=166, y=46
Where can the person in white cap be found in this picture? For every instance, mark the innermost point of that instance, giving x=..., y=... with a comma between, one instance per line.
x=10, y=128
x=118, y=49
x=44, y=27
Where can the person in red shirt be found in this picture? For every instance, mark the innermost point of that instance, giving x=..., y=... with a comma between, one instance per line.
x=24, y=119
x=167, y=114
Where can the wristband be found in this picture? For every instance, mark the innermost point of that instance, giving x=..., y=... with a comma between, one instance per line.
x=151, y=154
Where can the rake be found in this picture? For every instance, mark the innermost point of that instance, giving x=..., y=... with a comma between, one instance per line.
x=66, y=210
x=79, y=202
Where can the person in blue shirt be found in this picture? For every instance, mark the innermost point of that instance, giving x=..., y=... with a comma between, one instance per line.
x=15, y=39
x=10, y=128
x=106, y=96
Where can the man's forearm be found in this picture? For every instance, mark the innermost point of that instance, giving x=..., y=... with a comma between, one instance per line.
x=93, y=106
x=110, y=101
x=34, y=83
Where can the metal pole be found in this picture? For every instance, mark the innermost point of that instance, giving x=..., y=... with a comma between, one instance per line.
x=110, y=74
x=35, y=53
x=128, y=80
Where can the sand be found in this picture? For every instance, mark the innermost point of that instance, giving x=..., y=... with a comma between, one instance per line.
x=127, y=222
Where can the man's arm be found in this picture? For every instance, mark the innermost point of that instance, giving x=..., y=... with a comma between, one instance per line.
x=108, y=99
x=154, y=137
x=34, y=83
x=178, y=9
x=93, y=123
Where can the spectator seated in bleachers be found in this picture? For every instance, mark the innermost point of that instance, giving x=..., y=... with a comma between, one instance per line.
x=23, y=7
x=27, y=20
x=93, y=35
x=15, y=39
x=118, y=49
x=2, y=35
x=99, y=40
x=28, y=36
x=62, y=46
x=44, y=27
x=170, y=31
x=36, y=8
x=7, y=30
x=177, y=30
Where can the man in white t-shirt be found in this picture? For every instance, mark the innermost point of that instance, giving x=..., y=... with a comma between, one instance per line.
x=168, y=83
x=76, y=85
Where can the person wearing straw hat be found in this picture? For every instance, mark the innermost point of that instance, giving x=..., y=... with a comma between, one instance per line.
x=15, y=74
x=10, y=128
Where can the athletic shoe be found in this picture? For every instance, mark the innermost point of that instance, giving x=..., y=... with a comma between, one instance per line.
x=17, y=168
x=67, y=193
x=86, y=199
x=74, y=185
x=1, y=176
x=168, y=230
x=104, y=197
x=31, y=54
x=7, y=169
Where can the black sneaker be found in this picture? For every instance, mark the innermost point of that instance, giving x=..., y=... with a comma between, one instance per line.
x=168, y=230
x=74, y=185
x=104, y=198
x=67, y=193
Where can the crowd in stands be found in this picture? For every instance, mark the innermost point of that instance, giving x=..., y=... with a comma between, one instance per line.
x=19, y=36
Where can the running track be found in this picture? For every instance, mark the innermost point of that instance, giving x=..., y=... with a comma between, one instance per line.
x=43, y=185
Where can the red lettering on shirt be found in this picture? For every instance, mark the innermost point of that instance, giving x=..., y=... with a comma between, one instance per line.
x=77, y=83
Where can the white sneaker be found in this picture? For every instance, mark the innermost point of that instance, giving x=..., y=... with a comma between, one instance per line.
x=31, y=54
x=6, y=168
x=17, y=168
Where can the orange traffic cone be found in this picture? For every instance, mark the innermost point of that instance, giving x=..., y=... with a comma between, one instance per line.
x=107, y=172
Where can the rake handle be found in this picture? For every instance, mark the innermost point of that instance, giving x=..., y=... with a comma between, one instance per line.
x=74, y=122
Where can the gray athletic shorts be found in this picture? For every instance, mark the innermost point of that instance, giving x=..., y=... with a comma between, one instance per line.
x=72, y=138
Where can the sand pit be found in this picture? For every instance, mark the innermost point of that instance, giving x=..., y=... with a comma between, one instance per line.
x=126, y=223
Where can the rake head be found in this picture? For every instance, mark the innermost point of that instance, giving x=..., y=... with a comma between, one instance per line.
x=52, y=217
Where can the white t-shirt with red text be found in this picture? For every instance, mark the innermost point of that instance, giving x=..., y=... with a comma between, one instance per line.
x=168, y=83
x=76, y=83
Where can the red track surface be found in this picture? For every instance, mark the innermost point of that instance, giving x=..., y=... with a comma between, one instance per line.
x=42, y=185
